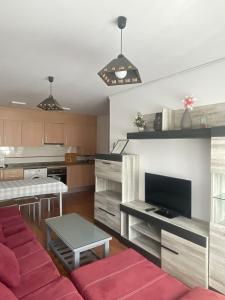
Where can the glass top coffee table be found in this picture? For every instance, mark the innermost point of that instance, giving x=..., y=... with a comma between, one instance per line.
x=75, y=235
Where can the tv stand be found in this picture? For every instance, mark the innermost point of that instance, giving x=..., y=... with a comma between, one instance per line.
x=166, y=213
x=178, y=244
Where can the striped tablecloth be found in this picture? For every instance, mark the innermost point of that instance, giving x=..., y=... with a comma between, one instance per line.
x=30, y=187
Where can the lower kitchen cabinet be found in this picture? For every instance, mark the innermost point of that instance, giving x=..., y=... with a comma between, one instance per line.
x=185, y=260
x=80, y=176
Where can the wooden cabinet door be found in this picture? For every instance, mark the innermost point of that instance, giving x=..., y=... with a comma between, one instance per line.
x=32, y=133
x=88, y=139
x=1, y=133
x=185, y=260
x=80, y=176
x=54, y=133
x=72, y=135
x=12, y=133
x=12, y=174
x=216, y=258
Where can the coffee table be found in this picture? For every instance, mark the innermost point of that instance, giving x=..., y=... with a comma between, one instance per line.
x=75, y=235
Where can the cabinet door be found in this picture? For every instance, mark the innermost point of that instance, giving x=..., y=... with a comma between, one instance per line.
x=12, y=133
x=80, y=176
x=54, y=133
x=12, y=174
x=72, y=135
x=1, y=133
x=216, y=258
x=32, y=133
x=185, y=260
x=88, y=138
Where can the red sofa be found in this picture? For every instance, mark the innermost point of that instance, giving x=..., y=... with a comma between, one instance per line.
x=27, y=272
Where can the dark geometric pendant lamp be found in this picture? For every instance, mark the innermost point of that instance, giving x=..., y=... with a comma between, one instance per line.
x=50, y=103
x=120, y=70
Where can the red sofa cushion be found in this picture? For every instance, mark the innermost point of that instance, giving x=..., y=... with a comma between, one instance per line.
x=5, y=293
x=9, y=267
x=35, y=279
x=27, y=249
x=127, y=274
x=202, y=294
x=8, y=211
x=11, y=220
x=2, y=236
x=61, y=288
x=19, y=238
x=14, y=228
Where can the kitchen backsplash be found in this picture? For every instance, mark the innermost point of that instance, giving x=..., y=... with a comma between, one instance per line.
x=46, y=153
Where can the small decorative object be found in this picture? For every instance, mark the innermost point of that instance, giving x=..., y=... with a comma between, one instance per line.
x=203, y=121
x=140, y=122
x=158, y=122
x=119, y=146
x=186, y=121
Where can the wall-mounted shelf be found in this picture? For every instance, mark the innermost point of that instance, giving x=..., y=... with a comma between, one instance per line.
x=198, y=133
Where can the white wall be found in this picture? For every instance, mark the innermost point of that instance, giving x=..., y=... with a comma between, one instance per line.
x=189, y=159
x=103, y=134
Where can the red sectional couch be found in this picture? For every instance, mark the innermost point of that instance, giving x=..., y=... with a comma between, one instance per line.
x=27, y=272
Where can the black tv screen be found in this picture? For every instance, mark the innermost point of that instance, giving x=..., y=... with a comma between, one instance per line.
x=168, y=192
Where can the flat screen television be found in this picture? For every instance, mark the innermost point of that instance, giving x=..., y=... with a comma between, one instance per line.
x=168, y=193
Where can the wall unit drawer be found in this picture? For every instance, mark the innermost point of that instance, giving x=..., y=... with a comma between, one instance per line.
x=217, y=254
x=107, y=218
x=112, y=206
x=185, y=260
x=109, y=169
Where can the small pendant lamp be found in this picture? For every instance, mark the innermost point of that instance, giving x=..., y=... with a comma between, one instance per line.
x=50, y=103
x=120, y=70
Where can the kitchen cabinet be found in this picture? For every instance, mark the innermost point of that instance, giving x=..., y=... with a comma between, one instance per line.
x=32, y=133
x=80, y=176
x=54, y=133
x=12, y=133
x=1, y=132
x=12, y=174
x=88, y=138
x=72, y=135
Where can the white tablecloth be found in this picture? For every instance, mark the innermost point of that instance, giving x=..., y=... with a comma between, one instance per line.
x=30, y=187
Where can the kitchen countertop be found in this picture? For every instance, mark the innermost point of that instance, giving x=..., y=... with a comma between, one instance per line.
x=45, y=164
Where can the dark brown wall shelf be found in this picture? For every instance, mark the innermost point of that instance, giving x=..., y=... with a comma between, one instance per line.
x=198, y=133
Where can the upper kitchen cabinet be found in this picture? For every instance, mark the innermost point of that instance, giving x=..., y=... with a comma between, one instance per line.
x=72, y=135
x=12, y=133
x=32, y=133
x=1, y=132
x=54, y=133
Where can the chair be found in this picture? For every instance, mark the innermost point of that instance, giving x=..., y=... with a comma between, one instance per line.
x=31, y=202
x=49, y=198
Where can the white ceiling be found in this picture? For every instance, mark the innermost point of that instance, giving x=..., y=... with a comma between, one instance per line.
x=73, y=39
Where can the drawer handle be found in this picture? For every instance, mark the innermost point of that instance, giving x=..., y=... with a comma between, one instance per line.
x=106, y=211
x=174, y=252
x=106, y=163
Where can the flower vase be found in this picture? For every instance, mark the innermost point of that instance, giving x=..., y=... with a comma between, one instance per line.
x=140, y=129
x=186, y=121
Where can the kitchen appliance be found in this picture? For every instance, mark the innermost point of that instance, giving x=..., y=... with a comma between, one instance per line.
x=35, y=173
x=58, y=172
x=171, y=195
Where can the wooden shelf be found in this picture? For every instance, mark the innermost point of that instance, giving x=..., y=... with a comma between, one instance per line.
x=198, y=133
x=148, y=245
x=148, y=231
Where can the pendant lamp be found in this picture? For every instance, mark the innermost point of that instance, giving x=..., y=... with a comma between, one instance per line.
x=50, y=103
x=120, y=70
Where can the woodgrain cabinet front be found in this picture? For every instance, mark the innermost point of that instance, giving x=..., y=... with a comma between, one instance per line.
x=54, y=133
x=12, y=133
x=108, y=169
x=32, y=133
x=185, y=260
x=12, y=174
x=217, y=257
x=79, y=176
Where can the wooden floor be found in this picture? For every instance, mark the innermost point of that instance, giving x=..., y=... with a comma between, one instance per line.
x=81, y=203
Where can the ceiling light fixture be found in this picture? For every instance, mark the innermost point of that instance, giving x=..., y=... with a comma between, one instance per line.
x=50, y=103
x=66, y=108
x=120, y=70
x=18, y=102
